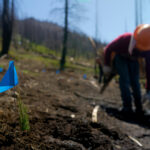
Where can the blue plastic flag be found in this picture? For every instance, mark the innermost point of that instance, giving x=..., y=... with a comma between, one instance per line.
x=43, y=70
x=57, y=71
x=84, y=76
x=10, y=78
x=1, y=69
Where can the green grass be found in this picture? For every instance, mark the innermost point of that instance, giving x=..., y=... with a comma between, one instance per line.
x=41, y=49
x=1, y=66
x=32, y=50
x=34, y=57
x=48, y=62
x=79, y=68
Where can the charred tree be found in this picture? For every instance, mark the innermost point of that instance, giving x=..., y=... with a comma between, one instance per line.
x=96, y=37
x=138, y=12
x=65, y=38
x=7, y=25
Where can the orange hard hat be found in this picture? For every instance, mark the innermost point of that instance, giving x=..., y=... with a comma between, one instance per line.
x=142, y=37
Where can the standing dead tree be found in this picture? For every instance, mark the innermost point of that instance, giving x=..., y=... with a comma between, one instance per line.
x=69, y=12
x=65, y=38
x=0, y=16
x=138, y=12
x=96, y=36
x=7, y=25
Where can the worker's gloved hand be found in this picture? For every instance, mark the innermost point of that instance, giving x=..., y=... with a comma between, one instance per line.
x=107, y=70
x=146, y=96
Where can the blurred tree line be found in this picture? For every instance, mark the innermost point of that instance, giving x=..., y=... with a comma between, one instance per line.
x=44, y=33
x=51, y=36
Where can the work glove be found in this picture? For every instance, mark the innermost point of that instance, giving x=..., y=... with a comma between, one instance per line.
x=146, y=96
x=106, y=70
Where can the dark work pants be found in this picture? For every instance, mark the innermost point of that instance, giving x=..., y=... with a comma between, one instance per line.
x=128, y=71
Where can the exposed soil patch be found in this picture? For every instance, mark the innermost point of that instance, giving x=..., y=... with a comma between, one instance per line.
x=60, y=110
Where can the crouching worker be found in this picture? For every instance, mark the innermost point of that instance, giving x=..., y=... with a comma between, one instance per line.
x=123, y=53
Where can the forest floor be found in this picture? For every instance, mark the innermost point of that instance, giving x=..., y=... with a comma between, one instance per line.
x=60, y=107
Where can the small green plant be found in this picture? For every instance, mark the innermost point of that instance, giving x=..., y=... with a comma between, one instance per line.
x=24, y=118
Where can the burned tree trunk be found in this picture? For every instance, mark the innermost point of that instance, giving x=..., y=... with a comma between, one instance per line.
x=7, y=25
x=65, y=38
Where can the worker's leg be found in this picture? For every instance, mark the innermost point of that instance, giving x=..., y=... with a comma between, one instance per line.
x=121, y=65
x=100, y=74
x=134, y=78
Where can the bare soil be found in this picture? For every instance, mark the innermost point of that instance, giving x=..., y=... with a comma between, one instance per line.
x=60, y=110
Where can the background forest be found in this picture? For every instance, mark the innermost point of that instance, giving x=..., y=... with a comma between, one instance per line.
x=43, y=36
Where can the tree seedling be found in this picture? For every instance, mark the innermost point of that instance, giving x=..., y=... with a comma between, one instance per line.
x=23, y=115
